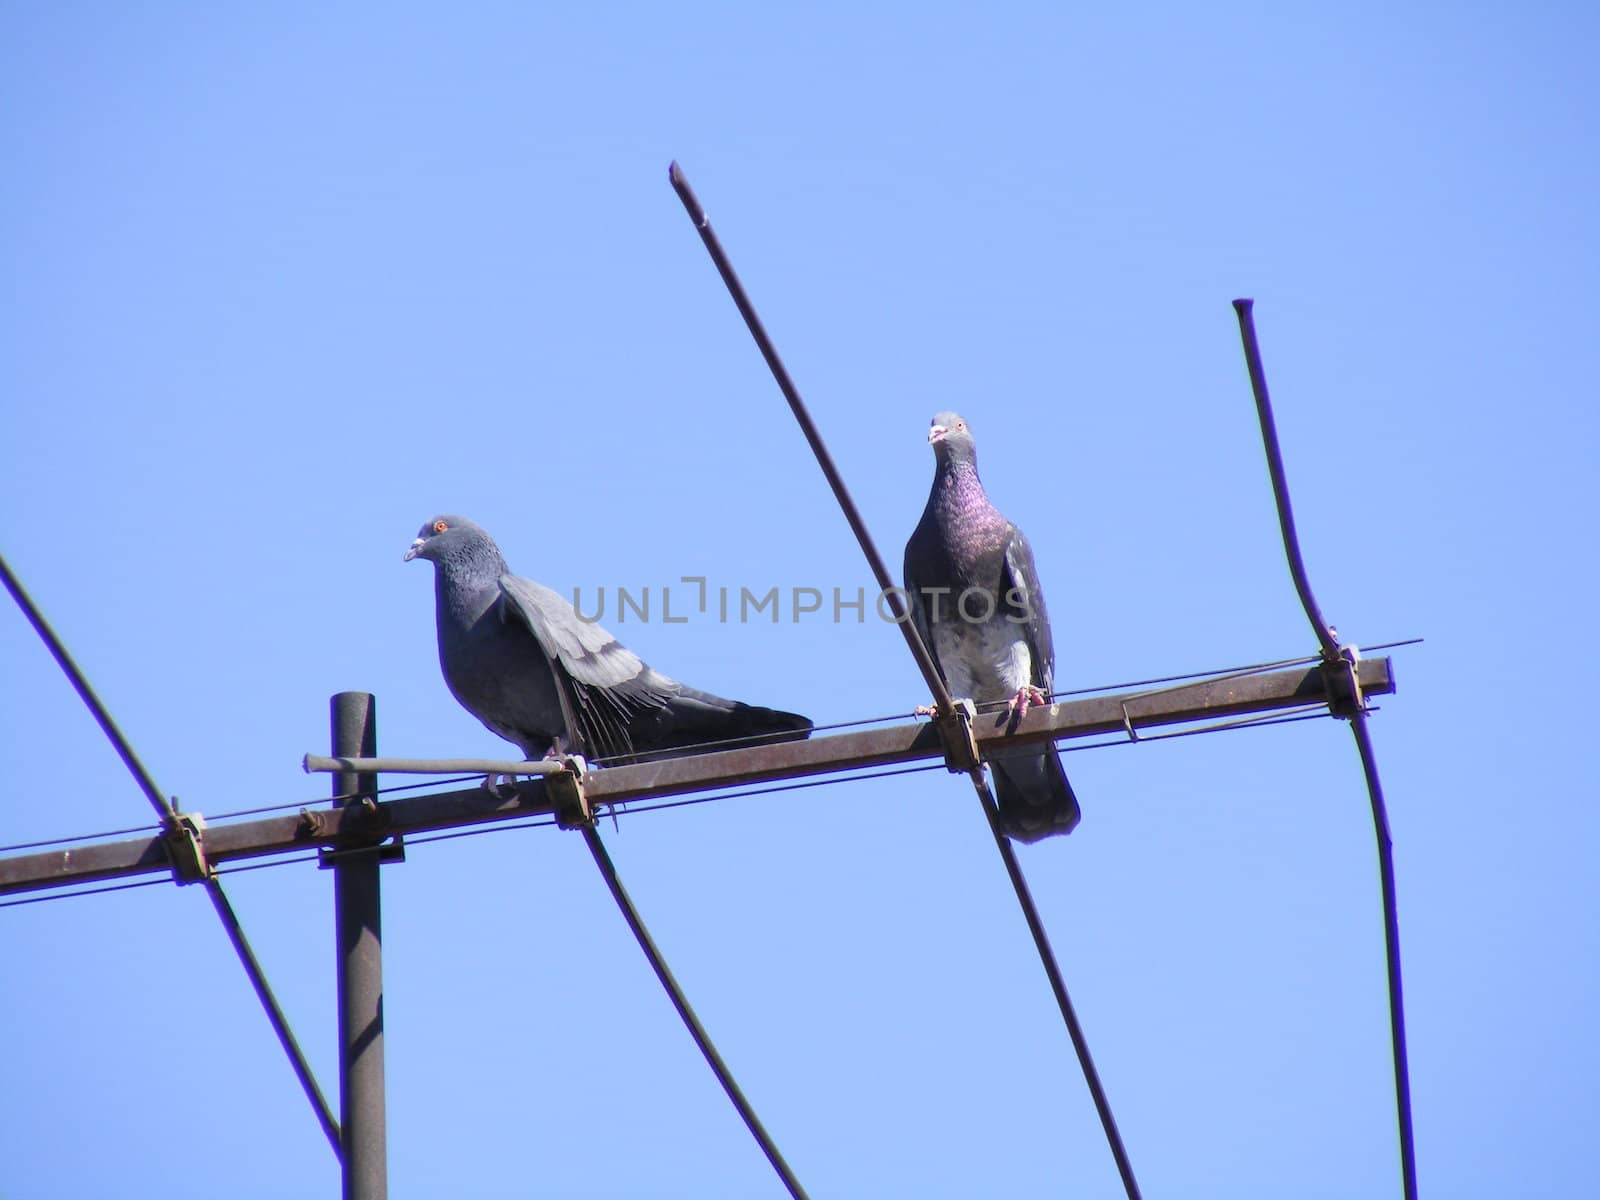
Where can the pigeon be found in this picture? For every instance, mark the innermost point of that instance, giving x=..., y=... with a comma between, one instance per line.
x=975, y=599
x=517, y=656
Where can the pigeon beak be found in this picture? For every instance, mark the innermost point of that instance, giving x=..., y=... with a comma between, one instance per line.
x=936, y=434
x=416, y=549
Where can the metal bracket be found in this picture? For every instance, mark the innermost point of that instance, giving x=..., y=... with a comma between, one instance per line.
x=359, y=826
x=955, y=735
x=568, y=800
x=184, y=834
x=1342, y=678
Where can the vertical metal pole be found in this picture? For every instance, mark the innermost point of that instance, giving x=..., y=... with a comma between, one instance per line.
x=365, y=1158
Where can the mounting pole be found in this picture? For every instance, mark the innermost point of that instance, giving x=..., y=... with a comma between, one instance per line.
x=364, y=1154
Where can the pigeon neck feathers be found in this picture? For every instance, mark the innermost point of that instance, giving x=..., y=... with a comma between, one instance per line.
x=972, y=528
x=467, y=578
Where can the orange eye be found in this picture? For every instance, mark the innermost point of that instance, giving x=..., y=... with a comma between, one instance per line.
x=440, y=526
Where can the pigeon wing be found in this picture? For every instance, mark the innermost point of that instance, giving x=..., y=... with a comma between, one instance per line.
x=914, y=601
x=607, y=685
x=1022, y=600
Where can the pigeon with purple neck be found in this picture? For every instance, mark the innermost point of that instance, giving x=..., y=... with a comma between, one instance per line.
x=975, y=599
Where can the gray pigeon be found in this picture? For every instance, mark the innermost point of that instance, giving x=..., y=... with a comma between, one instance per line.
x=516, y=654
x=976, y=601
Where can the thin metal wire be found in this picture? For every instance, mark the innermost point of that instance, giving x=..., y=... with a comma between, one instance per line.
x=639, y=808
x=1280, y=485
x=241, y=945
x=163, y=806
x=1223, y=672
x=1219, y=673
x=295, y=805
x=702, y=224
x=159, y=880
x=627, y=808
x=1311, y=712
x=1391, y=944
x=336, y=800
x=853, y=723
x=414, y=787
x=167, y=811
x=1321, y=714
x=1416, y=641
x=1332, y=654
x=862, y=722
x=268, y=864
x=80, y=837
x=269, y=1002
x=624, y=810
x=1069, y=1014
x=480, y=831
x=95, y=891
x=608, y=872
x=919, y=651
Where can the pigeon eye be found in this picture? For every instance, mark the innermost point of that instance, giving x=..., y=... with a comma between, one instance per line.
x=440, y=526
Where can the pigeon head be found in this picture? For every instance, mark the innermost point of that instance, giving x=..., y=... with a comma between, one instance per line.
x=951, y=439
x=449, y=539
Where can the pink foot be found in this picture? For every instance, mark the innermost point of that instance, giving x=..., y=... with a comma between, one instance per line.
x=1025, y=698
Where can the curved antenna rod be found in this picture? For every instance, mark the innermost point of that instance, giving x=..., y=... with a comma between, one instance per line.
x=1336, y=656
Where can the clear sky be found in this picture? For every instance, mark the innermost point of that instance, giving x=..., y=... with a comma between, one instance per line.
x=284, y=281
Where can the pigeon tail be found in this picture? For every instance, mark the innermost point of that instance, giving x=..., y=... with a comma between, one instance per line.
x=692, y=719
x=702, y=717
x=774, y=721
x=1033, y=794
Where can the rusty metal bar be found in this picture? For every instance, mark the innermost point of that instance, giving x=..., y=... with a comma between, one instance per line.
x=1335, y=659
x=884, y=745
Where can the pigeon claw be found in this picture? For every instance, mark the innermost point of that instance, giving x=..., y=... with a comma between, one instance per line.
x=1027, y=697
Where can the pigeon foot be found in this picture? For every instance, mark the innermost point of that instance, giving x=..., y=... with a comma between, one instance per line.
x=1027, y=697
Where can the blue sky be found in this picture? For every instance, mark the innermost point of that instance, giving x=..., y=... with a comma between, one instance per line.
x=283, y=283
